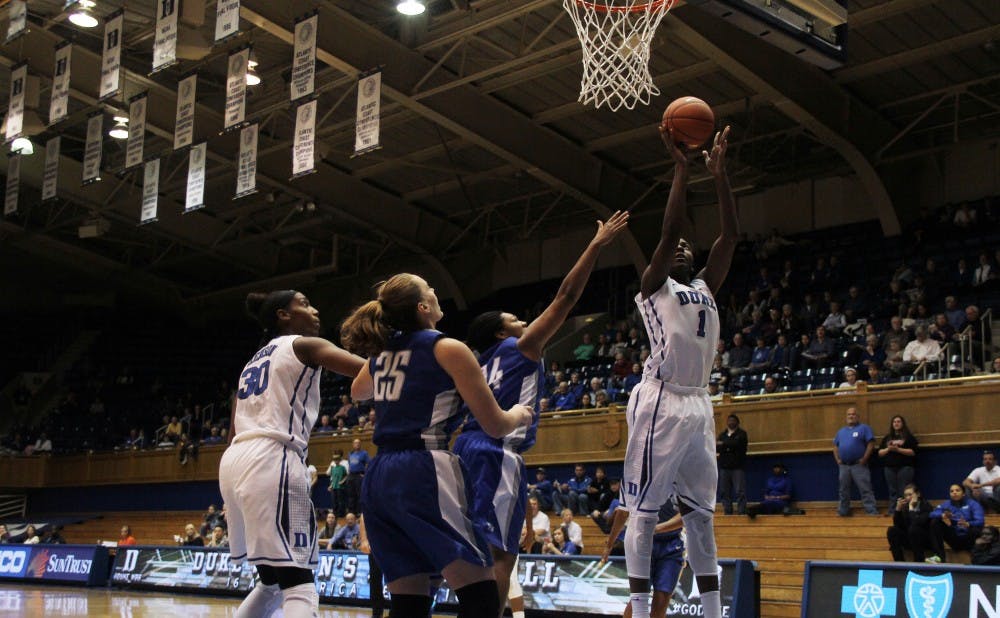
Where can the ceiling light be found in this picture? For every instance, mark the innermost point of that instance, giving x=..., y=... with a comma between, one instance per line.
x=252, y=78
x=82, y=16
x=120, y=130
x=22, y=145
x=411, y=7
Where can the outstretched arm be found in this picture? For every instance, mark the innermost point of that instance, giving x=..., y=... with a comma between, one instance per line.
x=721, y=255
x=538, y=333
x=316, y=351
x=663, y=256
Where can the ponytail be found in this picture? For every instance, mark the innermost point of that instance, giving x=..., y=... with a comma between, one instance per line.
x=365, y=332
x=367, y=329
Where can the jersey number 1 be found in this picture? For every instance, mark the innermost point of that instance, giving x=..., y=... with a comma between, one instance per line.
x=701, y=323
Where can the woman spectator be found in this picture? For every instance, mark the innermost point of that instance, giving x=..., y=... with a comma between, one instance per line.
x=986, y=550
x=872, y=355
x=898, y=452
x=30, y=536
x=601, y=399
x=559, y=545
x=190, y=538
x=126, y=537
x=910, y=525
x=894, y=358
x=585, y=402
x=957, y=522
x=850, y=378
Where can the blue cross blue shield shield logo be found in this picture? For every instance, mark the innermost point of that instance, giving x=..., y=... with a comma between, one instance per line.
x=928, y=597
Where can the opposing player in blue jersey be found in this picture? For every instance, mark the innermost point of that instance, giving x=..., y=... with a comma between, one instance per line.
x=415, y=493
x=263, y=474
x=510, y=353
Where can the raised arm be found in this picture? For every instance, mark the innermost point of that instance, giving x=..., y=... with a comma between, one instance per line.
x=457, y=359
x=721, y=255
x=673, y=217
x=316, y=351
x=363, y=387
x=538, y=333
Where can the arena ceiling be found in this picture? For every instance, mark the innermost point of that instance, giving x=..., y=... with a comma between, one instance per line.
x=483, y=140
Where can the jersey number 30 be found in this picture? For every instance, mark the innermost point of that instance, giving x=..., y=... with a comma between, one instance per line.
x=389, y=375
x=253, y=382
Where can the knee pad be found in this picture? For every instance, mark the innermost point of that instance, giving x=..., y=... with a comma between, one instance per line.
x=478, y=600
x=515, y=583
x=290, y=577
x=639, y=544
x=300, y=601
x=700, y=543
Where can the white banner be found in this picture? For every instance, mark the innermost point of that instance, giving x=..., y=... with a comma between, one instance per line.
x=50, y=176
x=304, y=58
x=59, y=105
x=246, y=174
x=184, y=125
x=236, y=88
x=136, y=131
x=366, y=136
x=304, y=145
x=111, y=58
x=18, y=13
x=15, y=110
x=92, y=149
x=150, y=191
x=13, y=184
x=165, y=43
x=196, y=178
x=227, y=19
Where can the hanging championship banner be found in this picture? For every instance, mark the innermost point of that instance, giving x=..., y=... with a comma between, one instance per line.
x=227, y=19
x=303, y=147
x=111, y=58
x=184, y=125
x=150, y=191
x=18, y=13
x=15, y=109
x=236, y=88
x=366, y=136
x=165, y=43
x=50, y=177
x=304, y=57
x=13, y=184
x=246, y=174
x=92, y=149
x=59, y=105
x=136, y=130
x=196, y=178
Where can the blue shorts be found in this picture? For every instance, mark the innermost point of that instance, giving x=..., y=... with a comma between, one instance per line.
x=667, y=562
x=416, y=513
x=499, y=488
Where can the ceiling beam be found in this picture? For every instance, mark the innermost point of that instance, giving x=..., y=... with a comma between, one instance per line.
x=885, y=10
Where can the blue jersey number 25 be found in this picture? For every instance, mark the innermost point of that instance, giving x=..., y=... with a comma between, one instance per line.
x=253, y=382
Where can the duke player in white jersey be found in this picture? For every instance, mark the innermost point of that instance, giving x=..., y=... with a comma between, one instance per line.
x=671, y=430
x=510, y=353
x=415, y=494
x=263, y=475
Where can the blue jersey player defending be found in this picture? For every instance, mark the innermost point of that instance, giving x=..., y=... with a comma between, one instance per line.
x=510, y=354
x=415, y=493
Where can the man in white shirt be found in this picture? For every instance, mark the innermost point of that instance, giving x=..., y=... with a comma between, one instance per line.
x=571, y=529
x=539, y=520
x=982, y=482
x=922, y=349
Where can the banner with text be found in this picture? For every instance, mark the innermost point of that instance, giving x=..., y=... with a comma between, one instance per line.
x=303, y=160
x=136, y=131
x=13, y=184
x=111, y=57
x=150, y=191
x=246, y=171
x=18, y=13
x=80, y=564
x=184, y=124
x=304, y=57
x=15, y=108
x=165, y=42
x=59, y=104
x=227, y=19
x=92, y=149
x=50, y=175
x=366, y=136
x=195, y=197
x=236, y=88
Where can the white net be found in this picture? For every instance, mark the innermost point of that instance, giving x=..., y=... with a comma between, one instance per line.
x=615, y=36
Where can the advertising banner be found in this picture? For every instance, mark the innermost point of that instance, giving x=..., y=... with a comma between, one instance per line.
x=82, y=564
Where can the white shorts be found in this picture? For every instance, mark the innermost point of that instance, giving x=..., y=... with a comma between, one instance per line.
x=671, y=448
x=265, y=486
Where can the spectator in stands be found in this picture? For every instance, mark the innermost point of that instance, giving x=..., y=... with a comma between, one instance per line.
x=941, y=330
x=576, y=386
x=602, y=400
x=713, y=391
x=961, y=277
x=357, y=463
x=42, y=444
x=559, y=545
x=345, y=407
x=965, y=217
x=983, y=481
x=585, y=402
x=739, y=355
x=620, y=345
x=564, y=399
x=4, y=535
x=777, y=493
x=789, y=324
x=174, y=430
x=632, y=378
x=604, y=516
x=921, y=350
x=214, y=437
x=30, y=536
x=187, y=448
x=55, y=537
x=369, y=424
x=876, y=376
x=894, y=358
x=819, y=277
x=808, y=313
x=760, y=359
x=191, y=537
x=328, y=530
x=125, y=536
x=956, y=522
x=731, y=451
x=541, y=489
x=135, y=441
x=324, y=425
x=820, y=350
x=835, y=321
x=789, y=279
x=853, y=446
x=984, y=272
x=573, y=493
x=850, y=378
x=539, y=520
x=543, y=405
x=603, y=350
x=872, y=355
x=571, y=529
x=337, y=471
x=596, y=385
x=770, y=385
x=898, y=452
x=347, y=536
x=218, y=538
x=975, y=332
x=585, y=351
x=782, y=354
x=622, y=366
x=954, y=311
x=986, y=550
x=599, y=492
x=895, y=333
x=855, y=307
x=210, y=520
x=910, y=527
x=753, y=305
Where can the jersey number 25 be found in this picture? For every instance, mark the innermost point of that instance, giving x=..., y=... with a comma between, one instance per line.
x=389, y=375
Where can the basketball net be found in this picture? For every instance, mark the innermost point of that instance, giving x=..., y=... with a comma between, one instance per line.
x=616, y=36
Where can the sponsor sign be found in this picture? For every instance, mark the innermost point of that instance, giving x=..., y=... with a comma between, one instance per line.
x=84, y=564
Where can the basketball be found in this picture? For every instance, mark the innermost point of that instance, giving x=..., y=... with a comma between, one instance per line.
x=690, y=121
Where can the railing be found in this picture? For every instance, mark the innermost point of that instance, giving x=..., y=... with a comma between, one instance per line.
x=12, y=506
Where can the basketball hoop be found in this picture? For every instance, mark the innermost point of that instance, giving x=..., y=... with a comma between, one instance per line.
x=615, y=36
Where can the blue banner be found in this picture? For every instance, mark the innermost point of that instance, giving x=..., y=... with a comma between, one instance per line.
x=84, y=564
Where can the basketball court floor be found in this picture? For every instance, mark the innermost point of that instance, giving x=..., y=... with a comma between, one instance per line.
x=27, y=601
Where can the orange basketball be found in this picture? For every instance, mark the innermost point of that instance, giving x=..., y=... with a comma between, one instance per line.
x=690, y=121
